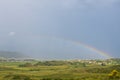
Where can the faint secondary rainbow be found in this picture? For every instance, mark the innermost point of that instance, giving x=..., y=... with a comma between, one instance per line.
x=81, y=44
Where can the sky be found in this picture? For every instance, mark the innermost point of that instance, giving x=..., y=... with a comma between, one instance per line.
x=48, y=29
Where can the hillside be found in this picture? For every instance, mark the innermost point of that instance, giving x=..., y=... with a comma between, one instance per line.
x=8, y=54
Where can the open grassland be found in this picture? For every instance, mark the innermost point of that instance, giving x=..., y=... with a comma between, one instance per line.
x=43, y=71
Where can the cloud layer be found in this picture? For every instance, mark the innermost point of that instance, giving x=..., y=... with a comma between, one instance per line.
x=94, y=22
x=87, y=3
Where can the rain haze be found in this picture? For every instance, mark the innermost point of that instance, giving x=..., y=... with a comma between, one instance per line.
x=60, y=29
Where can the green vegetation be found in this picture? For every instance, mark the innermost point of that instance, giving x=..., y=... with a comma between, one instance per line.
x=114, y=75
x=60, y=70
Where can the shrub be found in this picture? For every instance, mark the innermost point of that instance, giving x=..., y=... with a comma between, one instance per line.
x=17, y=77
x=26, y=65
x=113, y=75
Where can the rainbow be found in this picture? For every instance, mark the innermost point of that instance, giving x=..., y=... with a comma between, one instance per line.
x=81, y=44
x=94, y=49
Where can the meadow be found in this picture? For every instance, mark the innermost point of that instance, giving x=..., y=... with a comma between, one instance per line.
x=57, y=70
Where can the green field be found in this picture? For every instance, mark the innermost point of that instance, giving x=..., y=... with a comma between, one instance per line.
x=57, y=70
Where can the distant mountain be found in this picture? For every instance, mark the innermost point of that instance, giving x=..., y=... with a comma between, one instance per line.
x=9, y=54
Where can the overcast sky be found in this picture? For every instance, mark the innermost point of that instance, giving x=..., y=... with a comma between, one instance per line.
x=39, y=27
